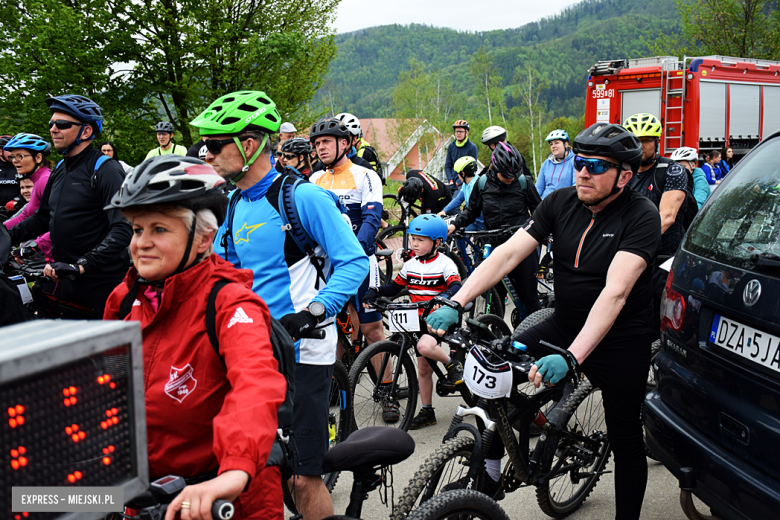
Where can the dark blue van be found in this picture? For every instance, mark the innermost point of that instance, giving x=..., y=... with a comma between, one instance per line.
x=714, y=419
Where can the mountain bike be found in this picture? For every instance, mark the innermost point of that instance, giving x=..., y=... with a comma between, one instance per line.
x=42, y=304
x=396, y=211
x=398, y=357
x=569, y=456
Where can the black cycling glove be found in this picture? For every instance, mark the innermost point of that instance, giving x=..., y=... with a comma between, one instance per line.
x=299, y=324
x=371, y=295
x=63, y=270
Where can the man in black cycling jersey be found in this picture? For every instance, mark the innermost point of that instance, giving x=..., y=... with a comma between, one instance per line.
x=606, y=237
x=89, y=244
x=433, y=194
x=507, y=197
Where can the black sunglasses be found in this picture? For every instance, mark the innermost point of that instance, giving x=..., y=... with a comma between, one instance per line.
x=62, y=124
x=214, y=146
x=289, y=156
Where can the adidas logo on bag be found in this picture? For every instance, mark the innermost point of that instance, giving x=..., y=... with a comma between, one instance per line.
x=239, y=317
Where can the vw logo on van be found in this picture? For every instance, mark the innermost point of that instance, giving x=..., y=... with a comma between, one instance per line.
x=752, y=293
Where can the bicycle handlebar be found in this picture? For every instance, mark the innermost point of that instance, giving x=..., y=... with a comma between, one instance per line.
x=153, y=503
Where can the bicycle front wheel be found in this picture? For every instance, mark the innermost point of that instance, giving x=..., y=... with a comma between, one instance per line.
x=565, y=492
x=374, y=398
x=461, y=504
x=444, y=470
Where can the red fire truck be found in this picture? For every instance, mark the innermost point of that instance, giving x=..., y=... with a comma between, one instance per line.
x=706, y=103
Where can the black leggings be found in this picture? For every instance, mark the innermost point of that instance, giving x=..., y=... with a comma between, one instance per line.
x=619, y=368
x=523, y=278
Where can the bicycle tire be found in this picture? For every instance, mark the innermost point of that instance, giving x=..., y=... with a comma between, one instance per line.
x=461, y=504
x=586, y=414
x=489, y=297
x=534, y=319
x=392, y=237
x=496, y=324
x=393, y=212
x=367, y=399
x=434, y=474
x=338, y=415
x=651, y=385
x=385, y=264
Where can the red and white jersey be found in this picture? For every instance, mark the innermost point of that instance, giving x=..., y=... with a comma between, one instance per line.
x=426, y=279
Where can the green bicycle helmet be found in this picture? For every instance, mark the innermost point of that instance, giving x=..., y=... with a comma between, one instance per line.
x=643, y=125
x=466, y=165
x=237, y=112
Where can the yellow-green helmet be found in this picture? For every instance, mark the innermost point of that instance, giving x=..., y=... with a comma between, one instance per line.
x=466, y=165
x=643, y=125
x=234, y=112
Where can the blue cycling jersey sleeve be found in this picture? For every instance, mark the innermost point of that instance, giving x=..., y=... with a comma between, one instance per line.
x=455, y=203
x=232, y=257
x=324, y=223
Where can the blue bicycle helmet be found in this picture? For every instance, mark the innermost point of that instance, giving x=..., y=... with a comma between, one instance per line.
x=80, y=107
x=431, y=226
x=32, y=142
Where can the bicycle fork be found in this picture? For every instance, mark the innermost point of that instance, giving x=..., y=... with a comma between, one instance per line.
x=378, y=391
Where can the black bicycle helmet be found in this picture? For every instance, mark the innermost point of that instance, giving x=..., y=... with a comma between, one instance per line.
x=164, y=126
x=609, y=140
x=297, y=146
x=173, y=179
x=507, y=161
x=329, y=126
x=4, y=140
x=411, y=190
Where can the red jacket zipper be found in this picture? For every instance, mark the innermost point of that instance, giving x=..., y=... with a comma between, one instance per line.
x=582, y=240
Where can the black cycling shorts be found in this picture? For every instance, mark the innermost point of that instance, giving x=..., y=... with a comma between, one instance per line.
x=310, y=416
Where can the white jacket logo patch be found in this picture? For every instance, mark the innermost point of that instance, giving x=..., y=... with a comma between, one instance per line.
x=239, y=317
x=181, y=383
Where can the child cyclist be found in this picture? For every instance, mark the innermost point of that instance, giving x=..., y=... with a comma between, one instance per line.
x=426, y=275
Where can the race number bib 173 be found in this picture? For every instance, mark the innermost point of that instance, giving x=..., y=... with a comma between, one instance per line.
x=485, y=379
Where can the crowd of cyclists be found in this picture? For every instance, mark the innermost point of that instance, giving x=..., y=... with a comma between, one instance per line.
x=289, y=228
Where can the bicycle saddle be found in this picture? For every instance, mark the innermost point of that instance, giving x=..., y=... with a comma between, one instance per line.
x=384, y=253
x=369, y=447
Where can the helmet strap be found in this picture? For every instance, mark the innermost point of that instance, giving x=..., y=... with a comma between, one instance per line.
x=432, y=253
x=614, y=190
x=247, y=163
x=183, y=264
x=78, y=140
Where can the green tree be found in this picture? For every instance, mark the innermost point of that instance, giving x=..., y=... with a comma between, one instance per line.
x=487, y=83
x=743, y=28
x=531, y=111
x=145, y=60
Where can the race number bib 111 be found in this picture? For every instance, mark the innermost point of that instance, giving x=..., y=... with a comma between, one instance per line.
x=405, y=320
x=485, y=379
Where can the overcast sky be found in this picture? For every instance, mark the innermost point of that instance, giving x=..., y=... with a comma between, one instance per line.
x=456, y=14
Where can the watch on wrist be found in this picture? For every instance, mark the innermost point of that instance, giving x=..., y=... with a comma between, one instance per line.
x=83, y=262
x=317, y=310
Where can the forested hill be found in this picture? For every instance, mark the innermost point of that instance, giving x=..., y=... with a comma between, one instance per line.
x=561, y=48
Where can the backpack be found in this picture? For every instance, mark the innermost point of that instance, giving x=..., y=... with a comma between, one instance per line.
x=689, y=206
x=291, y=222
x=376, y=164
x=102, y=159
x=483, y=180
x=284, y=352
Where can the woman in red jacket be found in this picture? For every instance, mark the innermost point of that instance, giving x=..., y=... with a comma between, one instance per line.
x=205, y=413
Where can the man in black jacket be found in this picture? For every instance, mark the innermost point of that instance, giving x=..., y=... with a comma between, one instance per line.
x=507, y=199
x=89, y=244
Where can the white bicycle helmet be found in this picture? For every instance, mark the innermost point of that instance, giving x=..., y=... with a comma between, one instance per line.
x=685, y=153
x=558, y=134
x=351, y=122
x=493, y=134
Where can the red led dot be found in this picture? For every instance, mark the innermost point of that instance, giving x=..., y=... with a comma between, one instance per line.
x=11, y=412
x=67, y=402
x=100, y=380
x=68, y=430
x=114, y=411
x=112, y=385
x=106, y=460
x=77, y=474
x=15, y=464
x=19, y=408
x=17, y=517
x=72, y=390
x=12, y=423
x=73, y=400
x=108, y=413
x=106, y=377
x=15, y=453
x=25, y=514
x=23, y=461
x=22, y=450
x=105, y=451
x=82, y=435
x=103, y=425
x=65, y=392
x=115, y=420
x=20, y=420
x=75, y=437
x=75, y=427
x=71, y=478
x=111, y=449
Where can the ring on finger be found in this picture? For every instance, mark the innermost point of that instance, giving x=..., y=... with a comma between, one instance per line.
x=185, y=505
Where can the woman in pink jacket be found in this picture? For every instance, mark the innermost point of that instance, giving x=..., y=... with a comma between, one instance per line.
x=29, y=154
